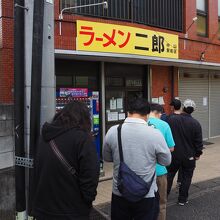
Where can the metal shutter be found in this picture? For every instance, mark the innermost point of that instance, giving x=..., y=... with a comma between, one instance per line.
x=214, y=103
x=193, y=84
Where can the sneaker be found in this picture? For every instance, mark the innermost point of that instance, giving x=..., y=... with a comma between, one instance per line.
x=183, y=203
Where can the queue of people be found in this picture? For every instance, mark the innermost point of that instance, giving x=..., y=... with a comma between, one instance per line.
x=147, y=151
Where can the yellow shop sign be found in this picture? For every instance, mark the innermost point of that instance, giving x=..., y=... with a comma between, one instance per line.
x=101, y=37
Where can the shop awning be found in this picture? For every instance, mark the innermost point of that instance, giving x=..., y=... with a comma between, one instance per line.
x=135, y=59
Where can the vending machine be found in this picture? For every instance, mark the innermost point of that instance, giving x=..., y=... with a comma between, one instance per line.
x=91, y=99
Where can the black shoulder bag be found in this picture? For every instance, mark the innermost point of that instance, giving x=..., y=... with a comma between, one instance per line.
x=130, y=185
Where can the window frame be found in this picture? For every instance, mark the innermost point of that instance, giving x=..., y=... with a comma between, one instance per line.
x=218, y=27
x=127, y=12
x=68, y=12
x=205, y=15
x=218, y=20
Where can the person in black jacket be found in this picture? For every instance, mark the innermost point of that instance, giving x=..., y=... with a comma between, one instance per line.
x=59, y=195
x=187, y=134
x=176, y=110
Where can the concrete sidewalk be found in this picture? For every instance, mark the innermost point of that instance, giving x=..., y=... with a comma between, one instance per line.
x=207, y=171
x=203, y=203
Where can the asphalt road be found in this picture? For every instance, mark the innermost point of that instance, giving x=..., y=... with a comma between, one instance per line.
x=204, y=205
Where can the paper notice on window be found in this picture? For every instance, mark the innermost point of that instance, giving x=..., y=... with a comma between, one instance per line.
x=113, y=104
x=113, y=116
x=119, y=103
x=205, y=101
x=155, y=100
x=121, y=116
x=161, y=100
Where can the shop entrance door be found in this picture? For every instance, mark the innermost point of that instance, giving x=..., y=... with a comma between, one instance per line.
x=123, y=83
x=134, y=94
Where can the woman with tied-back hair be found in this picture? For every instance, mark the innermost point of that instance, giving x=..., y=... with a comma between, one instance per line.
x=59, y=194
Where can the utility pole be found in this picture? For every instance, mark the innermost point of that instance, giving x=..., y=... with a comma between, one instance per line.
x=48, y=86
x=34, y=75
x=42, y=78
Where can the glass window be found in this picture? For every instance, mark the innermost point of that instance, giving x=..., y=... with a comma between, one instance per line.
x=201, y=25
x=219, y=8
x=82, y=81
x=201, y=5
x=64, y=80
x=133, y=82
x=115, y=100
x=115, y=107
x=219, y=19
x=202, y=17
x=89, y=82
x=114, y=81
x=219, y=28
x=67, y=4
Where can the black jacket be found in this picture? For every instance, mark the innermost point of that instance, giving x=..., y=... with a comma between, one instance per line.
x=187, y=134
x=58, y=194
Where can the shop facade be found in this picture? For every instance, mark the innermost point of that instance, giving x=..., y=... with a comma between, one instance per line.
x=117, y=82
x=189, y=69
x=113, y=84
x=110, y=60
x=203, y=86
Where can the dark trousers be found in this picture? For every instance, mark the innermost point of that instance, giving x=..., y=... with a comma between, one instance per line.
x=145, y=209
x=187, y=167
x=179, y=177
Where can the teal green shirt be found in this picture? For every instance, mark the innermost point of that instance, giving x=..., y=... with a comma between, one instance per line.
x=166, y=131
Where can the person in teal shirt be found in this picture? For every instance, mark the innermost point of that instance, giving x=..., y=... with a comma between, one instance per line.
x=161, y=171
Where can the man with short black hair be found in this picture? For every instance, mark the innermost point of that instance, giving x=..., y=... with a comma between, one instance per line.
x=175, y=109
x=187, y=133
x=176, y=106
x=161, y=171
x=143, y=147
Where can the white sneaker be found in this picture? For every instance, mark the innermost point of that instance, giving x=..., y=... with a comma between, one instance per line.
x=183, y=203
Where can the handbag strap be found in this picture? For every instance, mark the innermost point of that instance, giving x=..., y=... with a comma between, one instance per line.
x=120, y=144
x=61, y=158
